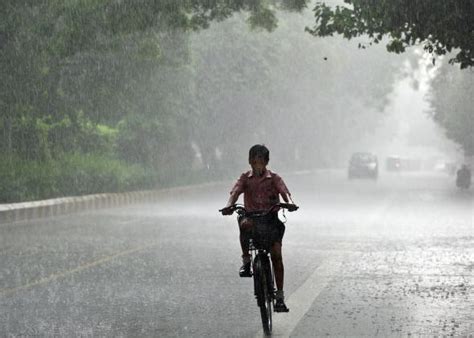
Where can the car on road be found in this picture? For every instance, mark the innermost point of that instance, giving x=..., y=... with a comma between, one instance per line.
x=363, y=165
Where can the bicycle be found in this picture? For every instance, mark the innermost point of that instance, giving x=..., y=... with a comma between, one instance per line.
x=260, y=244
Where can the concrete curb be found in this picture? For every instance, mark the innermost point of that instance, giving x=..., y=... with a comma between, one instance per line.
x=24, y=211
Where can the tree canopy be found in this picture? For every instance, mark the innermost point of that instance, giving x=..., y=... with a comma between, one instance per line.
x=440, y=26
x=452, y=101
x=114, y=95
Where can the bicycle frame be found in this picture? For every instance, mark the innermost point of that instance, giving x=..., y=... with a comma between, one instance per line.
x=265, y=259
x=264, y=290
x=262, y=268
x=263, y=275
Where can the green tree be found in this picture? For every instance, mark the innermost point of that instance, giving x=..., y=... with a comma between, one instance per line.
x=441, y=26
x=452, y=102
x=61, y=57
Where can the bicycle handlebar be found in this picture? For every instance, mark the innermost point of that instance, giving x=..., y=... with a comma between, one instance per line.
x=241, y=209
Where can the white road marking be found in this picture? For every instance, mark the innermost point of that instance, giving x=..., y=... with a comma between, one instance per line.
x=301, y=300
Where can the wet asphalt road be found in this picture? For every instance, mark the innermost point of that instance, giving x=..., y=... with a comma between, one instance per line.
x=387, y=258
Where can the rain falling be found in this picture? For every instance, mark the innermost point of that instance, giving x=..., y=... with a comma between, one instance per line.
x=127, y=143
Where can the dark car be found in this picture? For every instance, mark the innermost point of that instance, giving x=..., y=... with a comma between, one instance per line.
x=363, y=165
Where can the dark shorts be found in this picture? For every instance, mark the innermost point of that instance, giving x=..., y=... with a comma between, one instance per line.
x=275, y=226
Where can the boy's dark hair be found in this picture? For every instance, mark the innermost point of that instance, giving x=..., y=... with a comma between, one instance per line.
x=259, y=150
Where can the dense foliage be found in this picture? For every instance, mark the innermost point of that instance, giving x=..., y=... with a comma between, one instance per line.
x=74, y=76
x=441, y=26
x=453, y=103
x=106, y=96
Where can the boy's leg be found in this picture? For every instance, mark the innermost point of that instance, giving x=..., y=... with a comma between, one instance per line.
x=277, y=258
x=244, y=270
x=279, y=269
x=277, y=261
x=244, y=244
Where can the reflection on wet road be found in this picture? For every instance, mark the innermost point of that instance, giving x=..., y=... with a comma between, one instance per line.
x=392, y=257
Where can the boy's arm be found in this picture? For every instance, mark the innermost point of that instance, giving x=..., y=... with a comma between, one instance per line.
x=234, y=195
x=286, y=197
x=283, y=190
x=227, y=210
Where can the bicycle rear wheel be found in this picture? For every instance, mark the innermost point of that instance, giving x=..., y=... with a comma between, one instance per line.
x=263, y=294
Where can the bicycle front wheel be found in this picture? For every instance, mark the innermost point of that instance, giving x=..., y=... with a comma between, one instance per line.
x=263, y=294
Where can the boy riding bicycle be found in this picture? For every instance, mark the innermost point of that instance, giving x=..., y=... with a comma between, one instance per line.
x=261, y=188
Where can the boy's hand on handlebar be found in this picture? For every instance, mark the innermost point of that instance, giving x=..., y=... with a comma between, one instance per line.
x=227, y=211
x=291, y=207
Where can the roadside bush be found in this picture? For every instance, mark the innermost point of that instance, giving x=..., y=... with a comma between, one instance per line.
x=25, y=180
x=91, y=174
x=72, y=175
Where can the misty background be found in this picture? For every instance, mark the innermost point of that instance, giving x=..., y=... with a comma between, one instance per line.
x=105, y=96
x=85, y=109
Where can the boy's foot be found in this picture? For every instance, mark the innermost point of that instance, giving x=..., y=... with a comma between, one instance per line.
x=280, y=306
x=245, y=270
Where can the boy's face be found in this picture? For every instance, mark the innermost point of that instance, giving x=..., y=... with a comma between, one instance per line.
x=258, y=165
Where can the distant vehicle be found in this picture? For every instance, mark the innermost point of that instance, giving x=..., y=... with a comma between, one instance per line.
x=363, y=165
x=393, y=163
x=463, y=177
